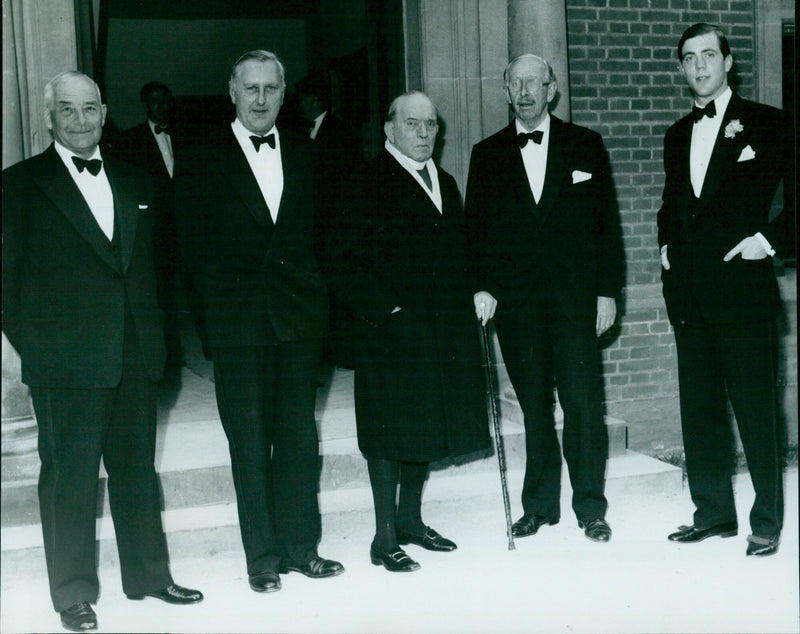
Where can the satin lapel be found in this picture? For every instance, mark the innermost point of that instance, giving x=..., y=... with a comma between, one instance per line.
x=683, y=138
x=56, y=183
x=237, y=170
x=511, y=168
x=725, y=154
x=293, y=179
x=556, y=164
x=126, y=210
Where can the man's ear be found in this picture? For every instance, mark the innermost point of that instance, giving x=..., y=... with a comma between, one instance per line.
x=388, y=129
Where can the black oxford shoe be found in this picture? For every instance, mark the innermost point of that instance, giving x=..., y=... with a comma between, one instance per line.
x=393, y=560
x=692, y=534
x=529, y=524
x=79, y=618
x=174, y=593
x=266, y=581
x=429, y=540
x=597, y=529
x=762, y=546
x=317, y=568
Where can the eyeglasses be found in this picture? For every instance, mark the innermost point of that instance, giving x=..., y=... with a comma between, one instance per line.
x=531, y=85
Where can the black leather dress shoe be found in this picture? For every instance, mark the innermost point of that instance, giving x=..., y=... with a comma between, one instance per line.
x=529, y=524
x=267, y=581
x=691, y=534
x=393, y=560
x=79, y=618
x=429, y=540
x=597, y=529
x=172, y=594
x=762, y=546
x=317, y=568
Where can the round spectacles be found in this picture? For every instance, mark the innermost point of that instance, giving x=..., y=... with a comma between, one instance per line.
x=531, y=85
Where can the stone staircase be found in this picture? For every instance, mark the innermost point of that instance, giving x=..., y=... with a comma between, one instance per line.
x=199, y=502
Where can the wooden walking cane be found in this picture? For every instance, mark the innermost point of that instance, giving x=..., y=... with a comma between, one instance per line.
x=498, y=440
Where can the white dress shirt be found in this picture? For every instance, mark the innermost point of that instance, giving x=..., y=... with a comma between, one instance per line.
x=412, y=167
x=704, y=135
x=165, y=147
x=534, y=156
x=266, y=165
x=96, y=190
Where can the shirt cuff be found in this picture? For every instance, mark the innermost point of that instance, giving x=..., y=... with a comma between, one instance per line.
x=765, y=243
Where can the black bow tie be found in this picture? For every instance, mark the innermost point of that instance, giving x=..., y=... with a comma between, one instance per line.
x=709, y=111
x=536, y=136
x=93, y=165
x=161, y=129
x=258, y=141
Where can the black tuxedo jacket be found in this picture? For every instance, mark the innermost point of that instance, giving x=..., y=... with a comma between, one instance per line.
x=569, y=244
x=259, y=279
x=137, y=145
x=66, y=288
x=752, y=153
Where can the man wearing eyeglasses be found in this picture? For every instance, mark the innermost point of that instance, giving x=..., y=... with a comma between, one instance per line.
x=545, y=236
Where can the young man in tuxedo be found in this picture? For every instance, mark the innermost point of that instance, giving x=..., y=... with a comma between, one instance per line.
x=79, y=306
x=723, y=163
x=546, y=237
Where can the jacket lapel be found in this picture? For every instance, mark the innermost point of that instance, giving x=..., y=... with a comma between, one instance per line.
x=683, y=139
x=556, y=164
x=509, y=165
x=126, y=210
x=56, y=183
x=237, y=170
x=725, y=154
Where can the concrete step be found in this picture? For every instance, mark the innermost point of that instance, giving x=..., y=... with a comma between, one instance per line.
x=194, y=469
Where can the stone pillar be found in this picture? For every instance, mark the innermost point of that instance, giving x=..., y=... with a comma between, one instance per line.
x=540, y=27
x=38, y=43
x=456, y=51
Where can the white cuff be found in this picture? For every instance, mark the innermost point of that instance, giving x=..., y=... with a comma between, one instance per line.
x=765, y=243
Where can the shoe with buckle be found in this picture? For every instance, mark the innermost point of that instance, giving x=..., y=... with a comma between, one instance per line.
x=692, y=534
x=317, y=568
x=597, y=529
x=429, y=540
x=529, y=524
x=762, y=546
x=79, y=617
x=267, y=581
x=173, y=593
x=395, y=560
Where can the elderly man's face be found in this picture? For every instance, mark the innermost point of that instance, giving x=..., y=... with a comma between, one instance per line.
x=529, y=91
x=414, y=127
x=76, y=116
x=257, y=93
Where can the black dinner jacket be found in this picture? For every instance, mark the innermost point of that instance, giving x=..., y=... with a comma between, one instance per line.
x=751, y=155
x=259, y=279
x=568, y=245
x=66, y=287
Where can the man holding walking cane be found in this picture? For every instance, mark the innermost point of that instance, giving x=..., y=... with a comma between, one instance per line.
x=544, y=230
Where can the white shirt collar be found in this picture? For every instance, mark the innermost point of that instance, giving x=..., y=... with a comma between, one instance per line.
x=405, y=161
x=721, y=102
x=66, y=155
x=243, y=135
x=544, y=126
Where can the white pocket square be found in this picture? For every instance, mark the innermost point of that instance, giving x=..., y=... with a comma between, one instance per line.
x=747, y=154
x=142, y=207
x=579, y=176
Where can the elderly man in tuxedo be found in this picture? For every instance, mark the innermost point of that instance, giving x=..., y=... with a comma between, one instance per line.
x=546, y=237
x=246, y=222
x=723, y=164
x=79, y=305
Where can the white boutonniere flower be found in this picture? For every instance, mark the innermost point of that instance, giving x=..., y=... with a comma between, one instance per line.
x=733, y=128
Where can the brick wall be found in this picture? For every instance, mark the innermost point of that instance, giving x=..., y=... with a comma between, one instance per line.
x=624, y=83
